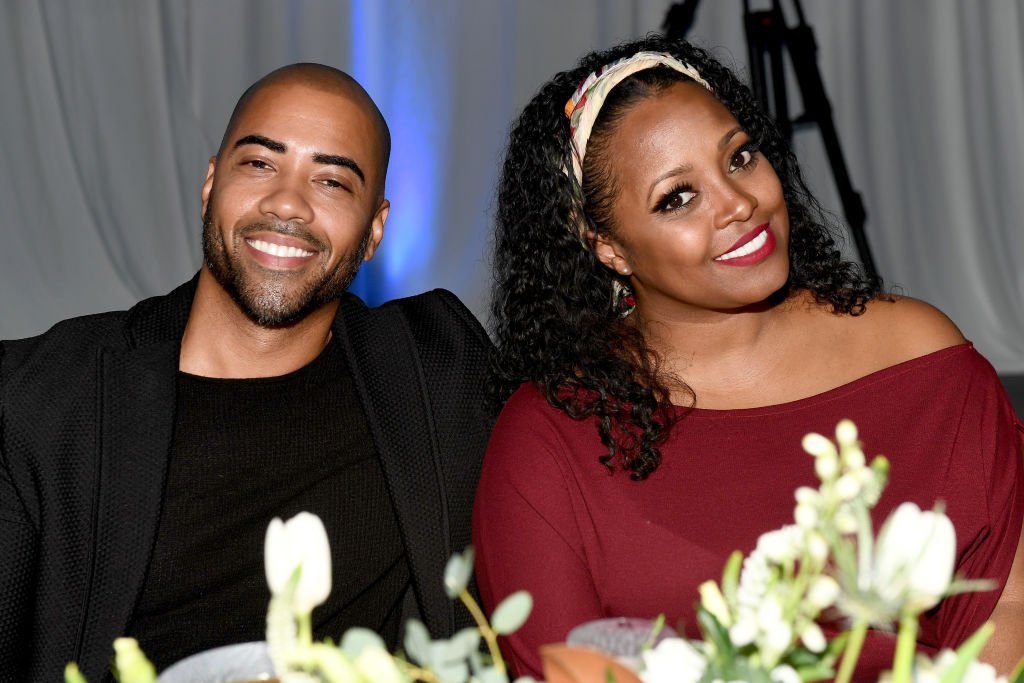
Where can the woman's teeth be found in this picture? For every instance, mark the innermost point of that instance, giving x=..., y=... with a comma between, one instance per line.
x=748, y=248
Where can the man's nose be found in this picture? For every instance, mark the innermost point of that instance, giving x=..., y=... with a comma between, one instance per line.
x=288, y=202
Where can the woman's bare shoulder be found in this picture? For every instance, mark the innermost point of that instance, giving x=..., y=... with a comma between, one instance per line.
x=911, y=326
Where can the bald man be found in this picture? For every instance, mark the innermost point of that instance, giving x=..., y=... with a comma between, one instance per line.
x=143, y=453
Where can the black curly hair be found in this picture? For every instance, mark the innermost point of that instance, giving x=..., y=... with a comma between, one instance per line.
x=551, y=312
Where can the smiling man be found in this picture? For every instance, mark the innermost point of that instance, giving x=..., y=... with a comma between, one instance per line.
x=143, y=453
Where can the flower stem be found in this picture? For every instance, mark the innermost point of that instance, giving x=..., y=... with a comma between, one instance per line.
x=851, y=653
x=305, y=623
x=485, y=630
x=906, y=642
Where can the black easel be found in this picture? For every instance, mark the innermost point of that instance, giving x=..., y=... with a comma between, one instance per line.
x=767, y=37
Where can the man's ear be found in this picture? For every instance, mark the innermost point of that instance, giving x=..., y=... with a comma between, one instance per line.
x=208, y=183
x=609, y=252
x=377, y=229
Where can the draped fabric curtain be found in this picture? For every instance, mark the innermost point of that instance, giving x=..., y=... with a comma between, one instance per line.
x=112, y=108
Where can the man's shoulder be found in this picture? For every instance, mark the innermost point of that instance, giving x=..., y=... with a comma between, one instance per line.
x=70, y=336
x=74, y=342
x=433, y=315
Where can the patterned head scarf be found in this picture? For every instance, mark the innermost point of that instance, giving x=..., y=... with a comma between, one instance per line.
x=586, y=102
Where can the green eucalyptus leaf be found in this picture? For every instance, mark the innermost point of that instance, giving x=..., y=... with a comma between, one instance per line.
x=333, y=666
x=417, y=641
x=448, y=662
x=356, y=639
x=511, y=613
x=468, y=639
x=476, y=662
x=457, y=572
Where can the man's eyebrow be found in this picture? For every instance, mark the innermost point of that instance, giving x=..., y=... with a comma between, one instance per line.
x=272, y=145
x=338, y=160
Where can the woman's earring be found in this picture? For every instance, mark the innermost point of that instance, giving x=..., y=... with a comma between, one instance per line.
x=623, y=299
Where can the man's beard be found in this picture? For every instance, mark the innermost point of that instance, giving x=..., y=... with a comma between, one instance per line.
x=267, y=299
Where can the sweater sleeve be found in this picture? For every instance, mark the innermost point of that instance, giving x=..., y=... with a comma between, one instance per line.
x=525, y=530
x=985, y=498
x=17, y=565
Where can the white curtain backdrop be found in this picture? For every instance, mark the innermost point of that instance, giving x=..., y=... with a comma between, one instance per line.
x=111, y=108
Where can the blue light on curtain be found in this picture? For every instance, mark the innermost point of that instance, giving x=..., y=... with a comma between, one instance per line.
x=409, y=81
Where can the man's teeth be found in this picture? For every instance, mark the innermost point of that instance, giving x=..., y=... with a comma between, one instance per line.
x=748, y=248
x=278, y=249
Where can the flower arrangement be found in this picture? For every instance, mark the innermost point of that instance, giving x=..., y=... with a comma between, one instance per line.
x=760, y=624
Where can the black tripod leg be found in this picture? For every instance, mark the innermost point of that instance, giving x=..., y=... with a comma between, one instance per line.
x=817, y=108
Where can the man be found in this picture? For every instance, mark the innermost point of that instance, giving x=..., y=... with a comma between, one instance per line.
x=143, y=453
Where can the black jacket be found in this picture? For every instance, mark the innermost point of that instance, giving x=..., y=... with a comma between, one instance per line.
x=86, y=415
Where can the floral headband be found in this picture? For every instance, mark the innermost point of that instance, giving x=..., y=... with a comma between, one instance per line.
x=585, y=104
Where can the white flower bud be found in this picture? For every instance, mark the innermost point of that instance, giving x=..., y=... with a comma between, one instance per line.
x=817, y=548
x=806, y=516
x=847, y=487
x=713, y=601
x=812, y=638
x=826, y=466
x=854, y=458
x=846, y=432
x=817, y=445
x=846, y=521
x=807, y=496
x=823, y=592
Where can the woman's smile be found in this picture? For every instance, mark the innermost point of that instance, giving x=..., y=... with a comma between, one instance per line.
x=751, y=249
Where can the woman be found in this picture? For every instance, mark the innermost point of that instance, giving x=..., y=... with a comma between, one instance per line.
x=672, y=316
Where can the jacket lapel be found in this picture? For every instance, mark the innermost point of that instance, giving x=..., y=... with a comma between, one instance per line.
x=385, y=368
x=136, y=403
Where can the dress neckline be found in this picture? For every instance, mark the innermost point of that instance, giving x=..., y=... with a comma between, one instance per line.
x=842, y=390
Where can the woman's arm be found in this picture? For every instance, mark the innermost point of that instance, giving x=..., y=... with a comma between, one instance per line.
x=526, y=536
x=1006, y=648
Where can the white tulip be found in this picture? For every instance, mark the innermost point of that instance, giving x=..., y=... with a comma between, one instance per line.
x=301, y=541
x=914, y=558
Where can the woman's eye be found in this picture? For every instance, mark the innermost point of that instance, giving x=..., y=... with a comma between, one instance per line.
x=741, y=159
x=677, y=199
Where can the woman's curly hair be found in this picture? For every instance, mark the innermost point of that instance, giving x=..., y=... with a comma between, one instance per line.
x=552, y=315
